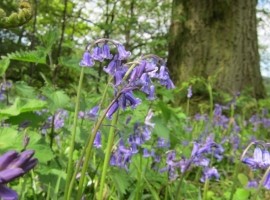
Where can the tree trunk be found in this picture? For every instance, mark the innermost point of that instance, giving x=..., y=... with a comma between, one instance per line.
x=216, y=38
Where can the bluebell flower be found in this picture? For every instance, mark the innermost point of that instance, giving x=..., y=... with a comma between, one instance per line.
x=123, y=54
x=106, y=52
x=252, y=184
x=266, y=182
x=112, y=109
x=255, y=162
x=146, y=153
x=59, y=120
x=151, y=95
x=12, y=166
x=162, y=143
x=93, y=113
x=87, y=60
x=97, y=54
x=113, y=66
x=209, y=173
x=97, y=141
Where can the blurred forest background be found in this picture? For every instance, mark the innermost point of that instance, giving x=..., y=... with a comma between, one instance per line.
x=215, y=40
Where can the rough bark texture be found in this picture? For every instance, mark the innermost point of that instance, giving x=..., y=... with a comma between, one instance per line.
x=216, y=38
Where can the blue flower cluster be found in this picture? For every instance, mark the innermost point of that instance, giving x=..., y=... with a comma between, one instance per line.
x=128, y=77
x=200, y=157
x=122, y=155
x=260, y=160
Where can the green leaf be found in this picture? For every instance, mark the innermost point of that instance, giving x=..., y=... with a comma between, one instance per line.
x=4, y=63
x=24, y=90
x=37, y=56
x=241, y=194
x=42, y=152
x=20, y=106
x=161, y=129
x=50, y=38
x=8, y=137
x=56, y=99
x=152, y=190
x=243, y=179
x=120, y=181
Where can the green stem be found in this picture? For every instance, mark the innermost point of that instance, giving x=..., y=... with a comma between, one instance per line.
x=209, y=88
x=236, y=171
x=261, y=184
x=178, y=191
x=140, y=178
x=73, y=136
x=187, y=106
x=88, y=148
x=83, y=152
x=205, y=189
x=108, y=154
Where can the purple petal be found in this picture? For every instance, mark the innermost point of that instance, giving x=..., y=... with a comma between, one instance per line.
x=6, y=158
x=87, y=60
x=8, y=175
x=7, y=194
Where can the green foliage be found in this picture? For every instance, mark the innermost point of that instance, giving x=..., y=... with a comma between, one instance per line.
x=37, y=56
x=15, y=19
x=20, y=106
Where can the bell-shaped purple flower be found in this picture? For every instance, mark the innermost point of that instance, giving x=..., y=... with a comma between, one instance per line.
x=14, y=165
x=256, y=162
x=252, y=184
x=131, y=100
x=266, y=158
x=93, y=113
x=87, y=60
x=7, y=194
x=146, y=153
x=106, y=52
x=112, y=109
x=113, y=66
x=97, y=54
x=209, y=173
x=97, y=141
x=151, y=95
x=266, y=182
x=123, y=54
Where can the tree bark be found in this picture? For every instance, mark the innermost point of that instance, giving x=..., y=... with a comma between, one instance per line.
x=216, y=38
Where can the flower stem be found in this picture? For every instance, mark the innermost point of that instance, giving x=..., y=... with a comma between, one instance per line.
x=88, y=148
x=73, y=135
x=255, y=197
x=107, y=155
x=178, y=191
x=236, y=172
x=205, y=189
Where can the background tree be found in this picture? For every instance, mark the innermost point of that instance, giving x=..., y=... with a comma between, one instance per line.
x=216, y=38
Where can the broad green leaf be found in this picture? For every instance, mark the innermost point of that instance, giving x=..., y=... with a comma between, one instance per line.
x=20, y=106
x=22, y=89
x=120, y=180
x=42, y=152
x=37, y=56
x=56, y=99
x=241, y=194
x=4, y=63
x=161, y=129
x=8, y=137
x=243, y=179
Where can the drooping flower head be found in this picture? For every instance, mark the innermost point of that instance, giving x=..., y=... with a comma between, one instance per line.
x=12, y=166
x=127, y=77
